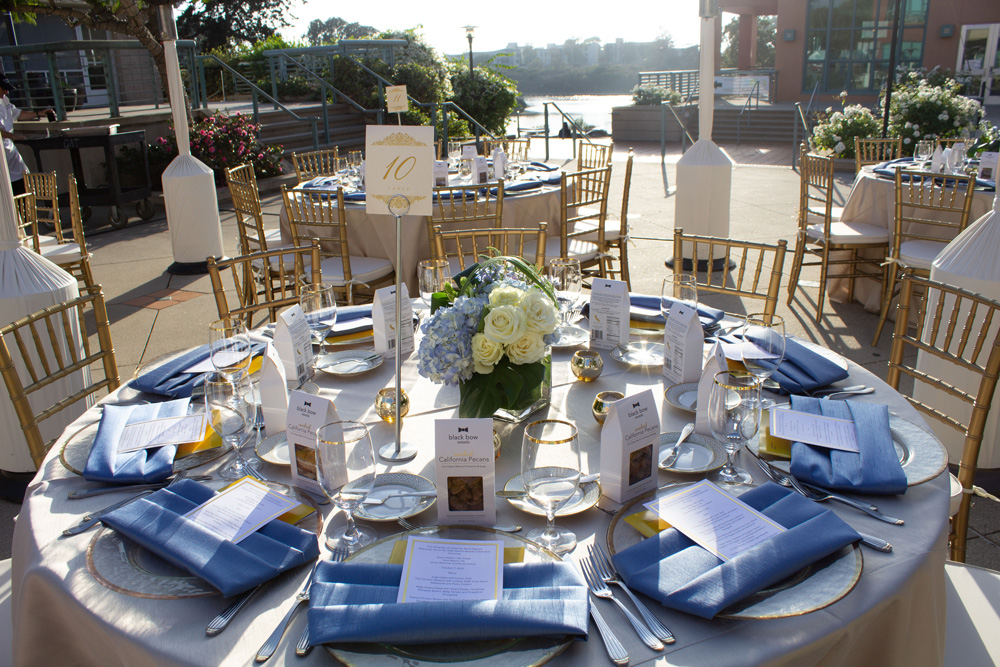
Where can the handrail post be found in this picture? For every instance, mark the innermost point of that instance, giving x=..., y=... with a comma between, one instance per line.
x=663, y=132
x=55, y=84
x=274, y=82
x=112, y=83
x=545, y=106
x=256, y=107
x=202, y=78
x=152, y=77
x=326, y=119
x=315, y=134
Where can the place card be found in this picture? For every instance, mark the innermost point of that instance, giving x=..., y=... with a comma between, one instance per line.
x=399, y=160
x=464, y=469
x=812, y=429
x=683, y=344
x=160, y=432
x=437, y=570
x=716, y=364
x=480, y=170
x=629, y=439
x=384, y=321
x=241, y=509
x=293, y=343
x=396, y=100
x=988, y=163
x=273, y=390
x=715, y=520
x=440, y=173
x=609, y=314
x=306, y=413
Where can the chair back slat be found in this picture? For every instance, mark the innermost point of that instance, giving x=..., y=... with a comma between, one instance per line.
x=517, y=150
x=45, y=185
x=583, y=198
x=931, y=207
x=874, y=151
x=311, y=164
x=468, y=245
x=593, y=156
x=27, y=226
x=453, y=208
x=245, y=196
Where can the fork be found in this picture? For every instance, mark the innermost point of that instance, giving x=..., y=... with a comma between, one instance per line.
x=813, y=493
x=269, y=646
x=606, y=571
x=337, y=555
x=601, y=590
x=783, y=478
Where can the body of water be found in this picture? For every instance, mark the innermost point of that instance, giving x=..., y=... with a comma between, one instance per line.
x=593, y=109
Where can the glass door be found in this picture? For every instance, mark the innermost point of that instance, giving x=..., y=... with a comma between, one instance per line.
x=978, y=55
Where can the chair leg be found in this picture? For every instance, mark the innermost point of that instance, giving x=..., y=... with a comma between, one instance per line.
x=793, y=280
x=854, y=267
x=821, y=295
x=623, y=261
x=887, y=294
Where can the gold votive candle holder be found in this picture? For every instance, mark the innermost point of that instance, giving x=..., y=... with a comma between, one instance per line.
x=602, y=404
x=587, y=365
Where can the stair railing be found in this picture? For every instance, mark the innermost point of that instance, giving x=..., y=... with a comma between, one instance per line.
x=754, y=91
x=802, y=125
x=566, y=118
x=685, y=134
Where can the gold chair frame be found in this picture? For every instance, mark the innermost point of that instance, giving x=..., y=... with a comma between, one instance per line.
x=77, y=264
x=615, y=240
x=583, y=208
x=963, y=339
x=47, y=344
x=45, y=185
x=322, y=162
x=593, y=156
x=516, y=149
x=474, y=243
x=27, y=225
x=452, y=208
x=874, y=151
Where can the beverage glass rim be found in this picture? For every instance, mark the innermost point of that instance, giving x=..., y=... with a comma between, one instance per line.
x=760, y=318
x=432, y=263
x=729, y=375
x=351, y=424
x=317, y=287
x=548, y=441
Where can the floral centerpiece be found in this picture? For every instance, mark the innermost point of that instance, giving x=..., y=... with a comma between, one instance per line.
x=925, y=106
x=487, y=334
x=836, y=130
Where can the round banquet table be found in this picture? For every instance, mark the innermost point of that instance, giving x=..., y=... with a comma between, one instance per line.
x=894, y=616
x=375, y=235
x=872, y=200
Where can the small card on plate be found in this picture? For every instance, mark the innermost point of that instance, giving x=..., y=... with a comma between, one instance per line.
x=293, y=343
x=714, y=519
x=273, y=389
x=988, y=163
x=464, y=469
x=812, y=429
x=241, y=509
x=440, y=173
x=160, y=432
x=716, y=364
x=480, y=170
x=629, y=437
x=436, y=569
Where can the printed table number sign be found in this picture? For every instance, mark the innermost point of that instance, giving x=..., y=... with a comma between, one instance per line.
x=396, y=100
x=306, y=413
x=464, y=468
x=399, y=161
x=384, y=321
x=629, y=443
x=609, y=314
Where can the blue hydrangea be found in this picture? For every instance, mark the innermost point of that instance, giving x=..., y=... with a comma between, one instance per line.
x=445, y=355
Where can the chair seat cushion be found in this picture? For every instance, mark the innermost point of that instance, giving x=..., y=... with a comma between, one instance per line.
x=63, y=253
x=920, y=254
x=363, y=269
x=847, y=233
x=612, y=230
x=585, y=251
x=836, y=213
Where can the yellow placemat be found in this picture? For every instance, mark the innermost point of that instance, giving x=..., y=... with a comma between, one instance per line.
x=510, y=554
x=211, y=439
x=647, y=522
x=292, y=516
x=347, y=338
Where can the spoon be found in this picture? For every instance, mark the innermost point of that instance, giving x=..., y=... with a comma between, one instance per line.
x=674, y=451
x=522, y=494
x=367, y=359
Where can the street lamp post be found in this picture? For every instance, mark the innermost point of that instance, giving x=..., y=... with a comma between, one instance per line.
x=469, y=31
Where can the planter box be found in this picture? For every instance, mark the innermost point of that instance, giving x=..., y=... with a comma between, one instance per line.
x=643, y=123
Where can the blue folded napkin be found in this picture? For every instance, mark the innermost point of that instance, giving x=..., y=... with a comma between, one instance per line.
x=874, y=469
x=356, y=602
x=355, y=196
x=541, y=166
x=802, y=370
x=520, y=186
x=169, y=379
x=157, y=523
x=348, y=314
x=105, y=464
x=646, y=308
x=672, y=569
x=890, y=168
x=321, y=183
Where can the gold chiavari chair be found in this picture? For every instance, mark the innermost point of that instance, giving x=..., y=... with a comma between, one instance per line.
x=615, y=233
x=322, y=215
x=53, y=345
x=45, y=185
x=931, y=210
x=27, y=220
x=311, y=164
x=466, y=207
x=242, y=183
x=593, y=156
x=820, y=234
x=303, y=263
x=757, y=272
x=960, y=328
x=874, y=151
x=70, y=255
x=516, y=149
x=464, y=247
x=948, y=143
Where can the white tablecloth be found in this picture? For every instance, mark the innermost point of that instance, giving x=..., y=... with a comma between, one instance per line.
x=894, y=616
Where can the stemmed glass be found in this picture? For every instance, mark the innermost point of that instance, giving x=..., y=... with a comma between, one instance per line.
x=762, y=348
x=733, y=417
x=454, y=150
x=319, y=304
x=550, y=471
x=681, y=287
x=229, y=346
x=432, y=276
x=923, y=151
x=231, y=416
x=345, y=466
x=567, y=280
x=354, y=160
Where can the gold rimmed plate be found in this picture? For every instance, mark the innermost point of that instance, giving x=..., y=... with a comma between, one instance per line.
x=274, y=450
x=639, y=353
x=585, y=497
x=390, y=483
x=683, y=396
x=697, y=454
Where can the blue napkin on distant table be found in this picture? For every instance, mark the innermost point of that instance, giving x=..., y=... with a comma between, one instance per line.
x=356, y=602
x=321, y=183
x=672, y=569
x=802, y=370
x=646, y=308
x=105, y=464
x=890, y=168
x=541, y=166
x=355, y=196
x=169, y=379
x=157, y=523
x=875, y=469
x=519, y=186
x=346, y=315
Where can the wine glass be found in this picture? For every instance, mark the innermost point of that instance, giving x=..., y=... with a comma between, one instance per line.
x=319, y=304
x=733, y=417
x=354, y=160
x=567, y=280
x=923, y=151
x=454, y=150
x=681, y=287
x=345, y=466
x=762, y=348
x=229, y=346
x=432, y=276
x=230, y=415
x=550, y=471
x=341, y=166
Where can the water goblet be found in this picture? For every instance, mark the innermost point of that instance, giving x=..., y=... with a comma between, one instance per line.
x=319, y=303
x=229, y=346
x=681, y=287
x=345, y=468
x=341, y=165
x=763, y=347
x=923, y=151
x=454, y=150
x=733, y=417
x=465, y=169
x=567, y=281
x=550, y=471
x=230, y=415
x=432, y=276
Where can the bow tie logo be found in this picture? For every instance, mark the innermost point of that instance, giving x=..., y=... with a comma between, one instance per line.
x=463, y=429
x=635, y=405
x=307, y=404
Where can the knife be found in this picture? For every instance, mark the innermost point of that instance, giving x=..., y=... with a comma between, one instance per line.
x=269, y=647
x=94, y=518
x=401, y=494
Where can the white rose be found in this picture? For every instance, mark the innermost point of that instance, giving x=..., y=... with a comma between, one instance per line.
x=505, y=324
x=485, y=352
x=540, y=311
x=505, y=295
x=528, y=349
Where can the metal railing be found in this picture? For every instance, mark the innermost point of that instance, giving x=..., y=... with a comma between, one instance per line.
x=685, y=134
x=803, y=123
x=574, y=126
x=747, y=109
x=684, y=82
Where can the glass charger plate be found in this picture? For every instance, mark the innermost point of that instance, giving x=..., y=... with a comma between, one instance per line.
x=349, y=362
x=641, y=353
x=921, y=454
x=520, y=652
x=125, y=567
x=396, y=508
x=570, y=337
x=814, y=587
x=696, y=454
x=585, y=497
x=683, y=396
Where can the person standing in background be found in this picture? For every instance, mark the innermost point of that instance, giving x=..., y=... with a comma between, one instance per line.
x=8, y=114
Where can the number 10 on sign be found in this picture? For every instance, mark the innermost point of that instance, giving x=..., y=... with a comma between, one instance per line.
x=399, y=161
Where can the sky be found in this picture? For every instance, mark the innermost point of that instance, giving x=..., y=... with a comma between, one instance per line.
x=498, y=23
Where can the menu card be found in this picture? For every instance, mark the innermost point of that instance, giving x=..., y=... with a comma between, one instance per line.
x=464, y=469
x=812, y=429
x=241, y=509
x=629, y=440
x=293, y=343
x=683, y=344
x=384, y=321
x=435, y=569
x=716, y=364
x=609, y=313
x=480, y=170
x=273, y=392
x=160, y=432
x=440, y=173
x=715, y=520
x=988, y=163
x=306, y=413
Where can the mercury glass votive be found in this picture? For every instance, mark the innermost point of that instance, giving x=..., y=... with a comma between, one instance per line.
x=586, y=365
x=385, y=404
x=602, y=404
